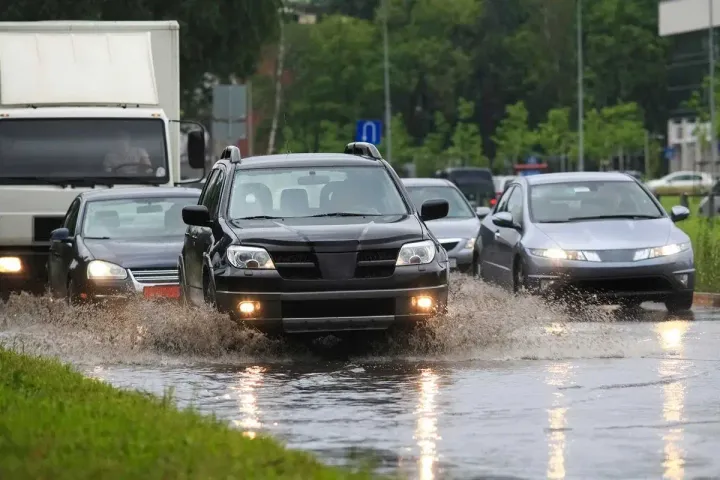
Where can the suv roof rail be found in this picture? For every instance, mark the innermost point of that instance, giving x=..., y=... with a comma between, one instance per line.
x=231, y=152
x=363, y=149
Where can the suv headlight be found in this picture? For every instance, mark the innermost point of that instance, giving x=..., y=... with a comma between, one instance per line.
x=99, y=269
x=255, y=258
x=416, y=253
x=664, y=251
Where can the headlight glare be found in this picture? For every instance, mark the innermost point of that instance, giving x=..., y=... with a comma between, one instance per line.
x=470, y=245
x=99, y=269
x=664, y=251
x=559, y=254
x=416, y=253
x=253, y=258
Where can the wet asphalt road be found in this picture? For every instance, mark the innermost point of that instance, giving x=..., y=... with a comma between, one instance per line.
x=650, y=410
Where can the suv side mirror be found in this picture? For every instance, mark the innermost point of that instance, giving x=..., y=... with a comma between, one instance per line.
x=482, y=212
x=678, y=213
x=434, y=209
x=196, y=148
x=196, y=215
x=60, y=235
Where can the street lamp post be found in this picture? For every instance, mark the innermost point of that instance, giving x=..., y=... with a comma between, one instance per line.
x=713, y=135
x=388, y=108
x=581, y=119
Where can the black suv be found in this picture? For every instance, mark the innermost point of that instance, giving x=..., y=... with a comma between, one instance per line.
x=313, y=242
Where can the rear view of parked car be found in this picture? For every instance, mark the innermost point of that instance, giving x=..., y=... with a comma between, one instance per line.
x=119, y=242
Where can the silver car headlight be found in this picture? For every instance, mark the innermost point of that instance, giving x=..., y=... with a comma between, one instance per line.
x=470, y=244
x=416, y=253
x=560, y=254
x=99, y=269
x=254, y=258
x=664, y=251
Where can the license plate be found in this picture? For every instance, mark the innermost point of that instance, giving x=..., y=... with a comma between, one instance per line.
x=453, y=263
x=162, y=291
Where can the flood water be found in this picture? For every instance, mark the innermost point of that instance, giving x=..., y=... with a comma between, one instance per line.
x=503, y=387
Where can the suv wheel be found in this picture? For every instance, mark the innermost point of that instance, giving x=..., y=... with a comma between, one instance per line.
x=679, y=303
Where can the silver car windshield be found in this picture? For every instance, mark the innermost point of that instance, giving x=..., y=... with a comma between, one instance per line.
x=578, y=201
x=294, y=192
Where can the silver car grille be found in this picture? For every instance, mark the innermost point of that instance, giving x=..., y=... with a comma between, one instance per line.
x=156, y=275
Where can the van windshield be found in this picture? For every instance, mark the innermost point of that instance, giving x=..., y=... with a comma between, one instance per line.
x=130, y=151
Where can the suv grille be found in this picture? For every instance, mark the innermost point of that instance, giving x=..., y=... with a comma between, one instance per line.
x=296, y=265
x=156, y=275
x=376, y=263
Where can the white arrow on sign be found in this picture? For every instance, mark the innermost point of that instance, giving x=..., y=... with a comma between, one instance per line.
x=364, y=130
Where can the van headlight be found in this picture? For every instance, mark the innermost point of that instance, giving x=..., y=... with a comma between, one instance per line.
x=416, y=253
x=254, y=258
x=664, y=251
x=99, y=270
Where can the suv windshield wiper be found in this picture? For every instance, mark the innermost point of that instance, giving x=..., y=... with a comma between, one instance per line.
x=610, y=217
x=343, y=214
x=257, y=217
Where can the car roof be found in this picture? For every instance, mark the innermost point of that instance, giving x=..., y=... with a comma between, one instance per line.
x=549, y=178
x=307, y=160
x=139, y=192
x=427, y=182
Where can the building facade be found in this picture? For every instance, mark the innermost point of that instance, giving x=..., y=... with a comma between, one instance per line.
x=687, y=26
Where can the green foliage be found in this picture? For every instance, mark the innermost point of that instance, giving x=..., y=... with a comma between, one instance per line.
x=513, y=136
x=466, y=142
x=55, y=423
x=554, y=135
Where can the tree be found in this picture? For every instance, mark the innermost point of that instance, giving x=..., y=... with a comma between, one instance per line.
x=513, y=137
x=555, y=136
x=466, y=141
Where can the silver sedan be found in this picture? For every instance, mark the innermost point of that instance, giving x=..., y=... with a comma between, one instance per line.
x=598, y=235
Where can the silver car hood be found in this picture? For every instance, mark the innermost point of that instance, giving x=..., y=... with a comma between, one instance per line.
x=454, y=227
x=609, y=234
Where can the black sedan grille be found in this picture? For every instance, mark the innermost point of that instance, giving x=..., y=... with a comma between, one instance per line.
x=156, y=275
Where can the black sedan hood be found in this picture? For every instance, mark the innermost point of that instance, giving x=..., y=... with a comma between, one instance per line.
x=160, y=252
x=330, y=234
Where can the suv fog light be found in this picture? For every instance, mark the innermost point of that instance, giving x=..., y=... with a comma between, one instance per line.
x=10, y=265
x=248, y=308
x=683, y=279
x=422, y=302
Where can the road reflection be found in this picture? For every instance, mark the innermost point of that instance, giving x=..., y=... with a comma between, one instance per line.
x=426, y=431
x=671, y=335
x=559, y=374
x=249, y=382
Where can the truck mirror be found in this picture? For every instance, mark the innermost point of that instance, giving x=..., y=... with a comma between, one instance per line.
x=196, y=148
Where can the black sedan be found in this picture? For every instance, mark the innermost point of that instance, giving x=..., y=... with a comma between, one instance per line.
x=119, y=241
x=600, y=235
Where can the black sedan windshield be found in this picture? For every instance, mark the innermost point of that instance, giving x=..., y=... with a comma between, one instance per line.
x=458, y=207
x=135, y=218
x=307, y=191
x=577, y=201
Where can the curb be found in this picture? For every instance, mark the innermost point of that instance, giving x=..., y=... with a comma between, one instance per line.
x=706, y=299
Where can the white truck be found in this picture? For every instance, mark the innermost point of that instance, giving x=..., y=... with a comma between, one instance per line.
x=74, y=98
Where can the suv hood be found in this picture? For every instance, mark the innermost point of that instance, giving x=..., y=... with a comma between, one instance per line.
x=330, y=234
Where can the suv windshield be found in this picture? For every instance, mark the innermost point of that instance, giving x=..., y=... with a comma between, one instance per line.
x=136, y=218
x=458, y=205
x=577, y=201
x=304, y=192
x=127, y=150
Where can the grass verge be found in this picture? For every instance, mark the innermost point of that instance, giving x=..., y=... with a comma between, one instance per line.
x=704, y=234
x=57, y=424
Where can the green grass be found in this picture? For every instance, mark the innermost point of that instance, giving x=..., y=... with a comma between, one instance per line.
x=57, y=424
x=704, y=234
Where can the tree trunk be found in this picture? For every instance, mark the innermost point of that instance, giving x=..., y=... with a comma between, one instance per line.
x=278, y=85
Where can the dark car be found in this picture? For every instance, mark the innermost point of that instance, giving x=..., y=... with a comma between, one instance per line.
x=458, y=230
x=600, y=235
x=313, y=243
x=120, y=241
x=474, y=182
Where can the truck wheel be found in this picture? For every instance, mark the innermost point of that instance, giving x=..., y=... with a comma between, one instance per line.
x=679, y=303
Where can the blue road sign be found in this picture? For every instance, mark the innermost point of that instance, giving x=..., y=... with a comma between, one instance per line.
x=369, y=131
x=669, y=151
